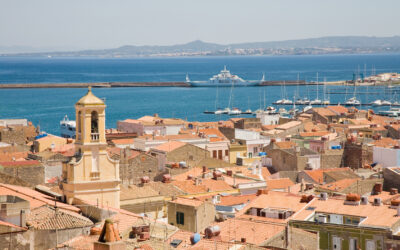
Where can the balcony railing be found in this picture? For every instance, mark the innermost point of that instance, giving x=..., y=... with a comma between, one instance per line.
x=95, y=137
x=95, y=175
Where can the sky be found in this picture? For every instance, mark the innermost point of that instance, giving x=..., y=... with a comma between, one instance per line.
x=96, y=24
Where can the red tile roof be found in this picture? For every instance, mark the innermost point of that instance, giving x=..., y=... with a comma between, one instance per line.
x=282, y=183
x=170, y=146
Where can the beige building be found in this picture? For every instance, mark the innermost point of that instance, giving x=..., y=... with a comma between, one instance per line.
x=190, y=214
x=91, y=174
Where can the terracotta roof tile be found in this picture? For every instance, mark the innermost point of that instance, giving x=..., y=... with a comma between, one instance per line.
x=35, y=198
x=170, y=146
x=282, y=183
x=187, y=202
x=318, y=174
x=45, y=218
x=339, y=185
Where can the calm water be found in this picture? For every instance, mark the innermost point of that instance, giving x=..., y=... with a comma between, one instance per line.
x=48, y=106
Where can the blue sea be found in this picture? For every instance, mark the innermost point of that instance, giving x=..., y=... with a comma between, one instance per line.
x=46, y=107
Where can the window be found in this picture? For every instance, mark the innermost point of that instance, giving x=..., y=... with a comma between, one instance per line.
x=215, y=154
x=180, y=218
x=370, y=245
x=336, y=243
x=220, y=154
x=226, y=152
x=353, y=244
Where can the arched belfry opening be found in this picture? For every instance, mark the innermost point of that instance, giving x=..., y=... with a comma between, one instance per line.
x=94, y=122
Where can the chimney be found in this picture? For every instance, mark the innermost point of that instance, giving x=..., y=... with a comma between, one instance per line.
x=393, y=191
x=109, y=238
x=22, y=218
x=364, y=200
x=243, y=240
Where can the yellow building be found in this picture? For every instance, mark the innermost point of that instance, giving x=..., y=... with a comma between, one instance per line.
x=235, y=151
x=91, y=175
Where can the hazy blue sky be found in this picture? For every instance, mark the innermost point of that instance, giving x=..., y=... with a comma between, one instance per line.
x=77, y=24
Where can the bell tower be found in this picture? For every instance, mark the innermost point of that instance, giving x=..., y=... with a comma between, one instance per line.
x=91, y=175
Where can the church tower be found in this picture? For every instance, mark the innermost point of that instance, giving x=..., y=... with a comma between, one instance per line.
x=91, y=174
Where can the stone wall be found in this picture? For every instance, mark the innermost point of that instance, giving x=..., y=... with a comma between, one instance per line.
x=17, y=240
x=356, y=155
x=332, y=159
x=188, y=153
x=17, y=134
x=303, y=240
x=132, y=170
x=391, y=179
x=33, y=175
x=48, y=239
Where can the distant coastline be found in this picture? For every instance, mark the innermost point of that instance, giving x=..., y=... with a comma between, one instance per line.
x=311, y=46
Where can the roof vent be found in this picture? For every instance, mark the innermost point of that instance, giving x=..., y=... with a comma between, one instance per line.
x=377, y=202
x=394, y=191
x=324, y=196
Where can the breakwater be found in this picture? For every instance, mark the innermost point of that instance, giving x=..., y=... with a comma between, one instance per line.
x=135, y=84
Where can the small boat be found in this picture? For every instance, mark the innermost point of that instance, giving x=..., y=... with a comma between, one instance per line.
x=392, y=112
x=271, y=109
x=326, y=102
x=287, y=102
x=247, y=112
x=226, y=111
x=352, y=101
x=306, y=108
x=219, y=112
x=316, y=102
x=386, y=103
x=376, y=103
x=235, y=111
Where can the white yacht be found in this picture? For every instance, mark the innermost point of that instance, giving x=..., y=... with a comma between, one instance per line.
x=224, y=79
x=67, y=128
x=376, y=103
x=352, y=101
x=235, y=111
x=315, y=102
x=386, y=103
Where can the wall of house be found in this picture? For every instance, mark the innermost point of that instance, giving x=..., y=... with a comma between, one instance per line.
x=205, y=215
x=128, y=127
x=387, y=157
x=46, y=239
x=331, y=158
x=188, y=153
x=189, y=216
x=34, y=175
x=301, y=239
x=391, y=179
x=132, y=170
x=17, y=240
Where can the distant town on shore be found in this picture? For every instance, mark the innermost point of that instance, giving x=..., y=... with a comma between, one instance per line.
x=311, y=46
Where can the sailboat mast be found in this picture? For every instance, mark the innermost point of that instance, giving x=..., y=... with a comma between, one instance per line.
x=317, y=86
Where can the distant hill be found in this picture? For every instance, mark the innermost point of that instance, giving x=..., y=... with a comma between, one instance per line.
x=323, y=45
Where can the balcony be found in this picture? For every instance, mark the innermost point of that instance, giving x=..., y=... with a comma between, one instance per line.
x=95, y=175
x=94, y=137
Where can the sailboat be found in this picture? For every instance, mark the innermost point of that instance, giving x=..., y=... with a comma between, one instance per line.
x=233, y=111
x=284, y=100
x=353, y=100
x=218, y=111
x=325, y=101
x=317, y=101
